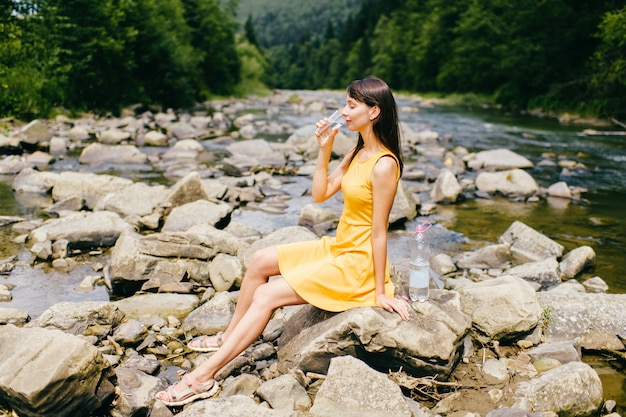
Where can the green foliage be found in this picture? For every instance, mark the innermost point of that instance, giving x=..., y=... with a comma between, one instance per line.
x=280, y=22
x=255, y=69
x=105, y=55
x=608, y=84
x=559, y=55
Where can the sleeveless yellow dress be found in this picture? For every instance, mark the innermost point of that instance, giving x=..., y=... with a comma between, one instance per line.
x=337, y=273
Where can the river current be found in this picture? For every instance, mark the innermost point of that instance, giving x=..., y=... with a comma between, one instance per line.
x=596, y=220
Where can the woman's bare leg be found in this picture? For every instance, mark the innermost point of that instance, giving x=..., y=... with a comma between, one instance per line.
x=263, y=265
x=266, y=299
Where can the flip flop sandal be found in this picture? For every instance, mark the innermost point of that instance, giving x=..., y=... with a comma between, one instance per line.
x=193, y=391
x=206, y=343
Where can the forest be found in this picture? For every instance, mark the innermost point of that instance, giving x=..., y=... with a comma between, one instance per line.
x=554, y=56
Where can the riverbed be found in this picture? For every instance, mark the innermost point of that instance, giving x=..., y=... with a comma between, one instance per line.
x=559, y=152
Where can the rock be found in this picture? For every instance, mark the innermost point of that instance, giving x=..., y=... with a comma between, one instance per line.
x=442, y=264
x=83, y=230
x=499, y=159
x=59, y=374
x=131, y=332
x=112, y=136
x=235, y=406
x=574, y=261
x=155, y=138
x=429, y=343
x=134, y=257
x=500, y=308
x=596, y=284
x=136, y=391
x=528, y=245
x=559, y=189
x=187, y=190
x=404, y=206
x=491, y=256
x=161, y=305
x=371, y=393
x=12, y=165
x=225, y=271
x=244, y=384
x=183, y=217
x=314, y=216
x=184, y=149
x=58, y=146
x=89, y=187
x=34, y=134
x=511, y=183
x=13, y=316
x=139, y=199
x=544, y=272
x=78, y=133
x=573, y=389
x=495, y=371
x=565, y=351
x=98, y=154
x=595, y=318
x=39, y=159
x=87, y=318
x=32, y=181
x=285, y=393
x=10, y=146
x=446, y=188
x=255, y=152
x=212, y=316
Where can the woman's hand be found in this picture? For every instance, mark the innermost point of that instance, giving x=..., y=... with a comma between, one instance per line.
x=394, y=304
x=325, y=133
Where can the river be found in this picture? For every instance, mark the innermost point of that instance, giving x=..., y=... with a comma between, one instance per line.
x=597, y=220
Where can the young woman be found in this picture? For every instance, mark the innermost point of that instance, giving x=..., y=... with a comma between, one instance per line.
x=333, y=273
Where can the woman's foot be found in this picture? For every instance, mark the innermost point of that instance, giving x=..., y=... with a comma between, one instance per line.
x=206, y=343
x=188, y=391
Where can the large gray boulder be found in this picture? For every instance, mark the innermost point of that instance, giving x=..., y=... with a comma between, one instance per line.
x=570, y=390
x=59, y=374
x=515, y=182
x=500, y=308
x=83, y=230
x=89, y=187
x=528, y=245
x=87, y=318
x=135, y=259
x=428, y=343
x=596, y=320
x=371, y=393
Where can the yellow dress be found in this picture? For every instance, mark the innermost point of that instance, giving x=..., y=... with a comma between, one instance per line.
x=337, y=273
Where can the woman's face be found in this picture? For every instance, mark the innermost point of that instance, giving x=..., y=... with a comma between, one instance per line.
x=358, y=115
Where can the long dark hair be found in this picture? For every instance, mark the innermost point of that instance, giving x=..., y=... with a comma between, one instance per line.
x=375, y=92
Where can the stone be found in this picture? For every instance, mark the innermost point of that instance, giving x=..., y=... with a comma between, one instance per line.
x=501, y=307
x=371, y=393
x=572, y=389
x=60, y=374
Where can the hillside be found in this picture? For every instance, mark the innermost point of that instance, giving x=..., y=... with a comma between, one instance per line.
x=277, y=22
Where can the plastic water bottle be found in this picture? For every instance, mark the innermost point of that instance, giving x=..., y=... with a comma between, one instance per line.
x=419, y=267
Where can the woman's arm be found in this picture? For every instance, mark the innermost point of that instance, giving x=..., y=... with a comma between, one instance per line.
x=324, y=185
x=384, y=187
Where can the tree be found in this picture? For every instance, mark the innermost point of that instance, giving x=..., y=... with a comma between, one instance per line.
x=249, y=31
x=608, y=84
x=213, y=39
x=95, y=51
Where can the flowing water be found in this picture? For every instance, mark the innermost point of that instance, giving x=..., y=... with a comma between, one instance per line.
x=597, y=220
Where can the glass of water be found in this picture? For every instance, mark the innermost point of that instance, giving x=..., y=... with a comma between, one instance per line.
x=335, y=121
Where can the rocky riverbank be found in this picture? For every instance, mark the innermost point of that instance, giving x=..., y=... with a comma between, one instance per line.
x=504, y=336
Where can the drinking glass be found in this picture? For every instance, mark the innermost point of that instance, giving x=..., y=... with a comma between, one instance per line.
x=335, y=121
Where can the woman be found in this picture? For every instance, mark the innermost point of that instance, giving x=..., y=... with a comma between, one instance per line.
x=332, y=273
